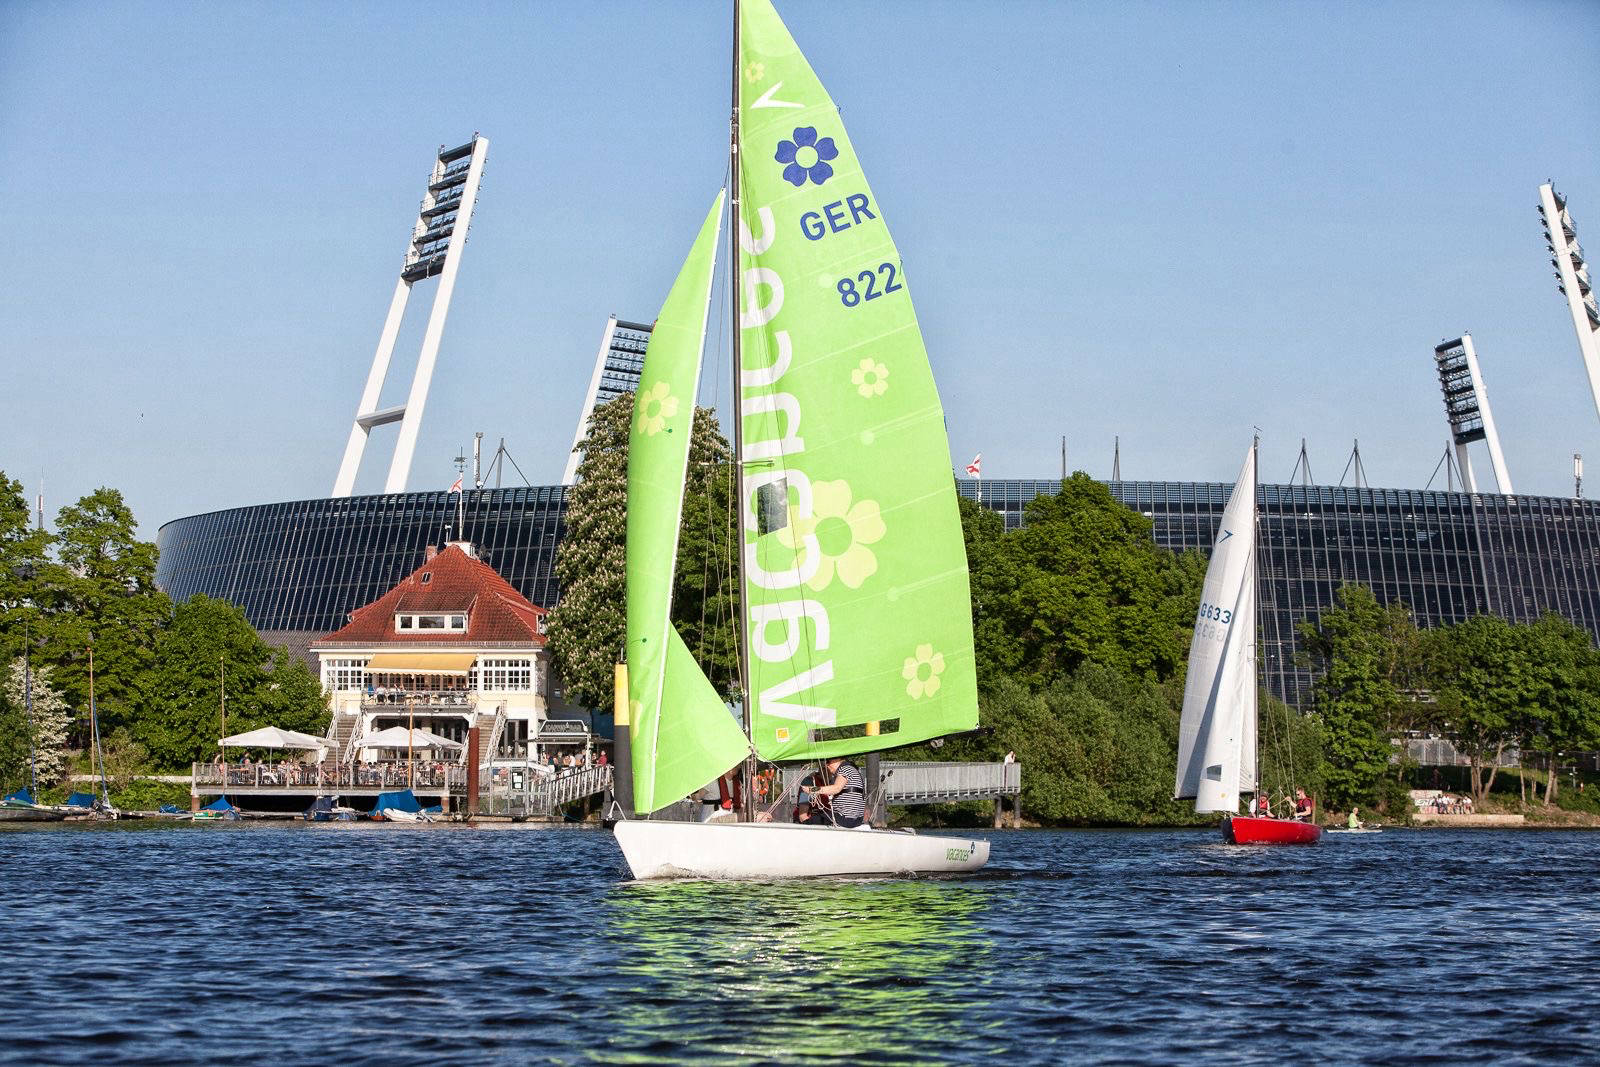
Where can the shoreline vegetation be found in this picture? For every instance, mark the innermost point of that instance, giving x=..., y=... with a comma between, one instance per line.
x=1082, y=622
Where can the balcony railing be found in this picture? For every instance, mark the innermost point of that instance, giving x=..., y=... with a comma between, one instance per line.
x=333, y=777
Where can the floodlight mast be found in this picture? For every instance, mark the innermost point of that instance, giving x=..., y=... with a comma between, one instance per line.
x=1466, y=406
x=437, y=239
x=1572, y=276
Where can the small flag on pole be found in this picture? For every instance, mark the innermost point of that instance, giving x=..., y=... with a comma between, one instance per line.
x=455, y=486
x=975, y=468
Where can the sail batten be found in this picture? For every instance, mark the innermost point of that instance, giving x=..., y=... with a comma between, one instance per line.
x=858, y=606
x=1217, y=733
x=683, y=734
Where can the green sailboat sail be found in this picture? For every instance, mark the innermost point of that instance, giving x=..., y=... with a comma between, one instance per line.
x=856, y=590
x=683, y=735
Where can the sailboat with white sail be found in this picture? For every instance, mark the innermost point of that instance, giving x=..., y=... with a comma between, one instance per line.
x=1217, y=736
x=857, y=624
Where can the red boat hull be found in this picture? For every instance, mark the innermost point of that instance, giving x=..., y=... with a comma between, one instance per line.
x=1247, y=830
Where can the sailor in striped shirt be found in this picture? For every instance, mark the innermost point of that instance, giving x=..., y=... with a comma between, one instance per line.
x=847, y=792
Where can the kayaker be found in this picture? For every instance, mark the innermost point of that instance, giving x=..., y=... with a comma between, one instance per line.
x=1354, y=822
x=847, y=791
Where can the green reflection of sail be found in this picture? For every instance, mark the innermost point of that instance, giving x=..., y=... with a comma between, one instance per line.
x=856, y=575
x=683, y=735
x=814, y=967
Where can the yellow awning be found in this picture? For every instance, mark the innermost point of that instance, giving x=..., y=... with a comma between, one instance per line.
x=422, y=662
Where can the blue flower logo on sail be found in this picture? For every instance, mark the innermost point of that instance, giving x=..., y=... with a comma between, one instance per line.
x=656, y=405
x=807, y=157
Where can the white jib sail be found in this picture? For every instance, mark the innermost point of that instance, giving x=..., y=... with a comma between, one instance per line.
x=1217, y=736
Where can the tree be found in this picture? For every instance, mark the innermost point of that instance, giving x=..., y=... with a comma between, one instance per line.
x=290, y=696
x=1489, y=692
x=1565, y=669
x=705, y=592
x=101, y=592
x=183, y=715
x=1081, y=581
x=23, y=555
x=1368, y=657
x=588, y=628
x=38, y=736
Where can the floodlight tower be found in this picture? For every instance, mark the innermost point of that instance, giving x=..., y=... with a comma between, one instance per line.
x=617, y=367
x=1572, y=276
x=1466, y=405
x=437, y=238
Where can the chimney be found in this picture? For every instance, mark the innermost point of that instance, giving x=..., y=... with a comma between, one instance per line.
x=430, y=552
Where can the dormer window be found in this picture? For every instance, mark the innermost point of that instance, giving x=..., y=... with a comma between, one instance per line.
x=446, y=623
x=427, y=576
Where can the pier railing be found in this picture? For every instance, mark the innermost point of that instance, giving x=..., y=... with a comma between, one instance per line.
x=330, y=777
x=545, y=796
x=948, y=783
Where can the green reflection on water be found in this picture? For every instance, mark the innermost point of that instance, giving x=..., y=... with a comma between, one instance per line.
x=781, y=971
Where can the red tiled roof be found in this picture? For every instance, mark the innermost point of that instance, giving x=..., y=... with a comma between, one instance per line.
x=450, y=583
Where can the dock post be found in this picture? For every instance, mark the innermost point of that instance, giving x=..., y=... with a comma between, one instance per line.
x=999, y=812
x=473, y=741
x=621, y=747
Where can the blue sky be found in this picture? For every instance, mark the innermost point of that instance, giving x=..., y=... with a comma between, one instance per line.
x=1168, y=222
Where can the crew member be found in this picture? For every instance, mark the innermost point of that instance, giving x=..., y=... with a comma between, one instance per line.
x=847, y=792
x=1302, y=805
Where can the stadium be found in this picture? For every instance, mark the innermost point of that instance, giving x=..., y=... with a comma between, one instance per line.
x=299, y=568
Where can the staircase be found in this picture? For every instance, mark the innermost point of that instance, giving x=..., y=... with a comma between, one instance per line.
x=342, y=731
x=491, y=726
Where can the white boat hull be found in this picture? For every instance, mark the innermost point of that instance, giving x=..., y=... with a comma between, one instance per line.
x=787, y=850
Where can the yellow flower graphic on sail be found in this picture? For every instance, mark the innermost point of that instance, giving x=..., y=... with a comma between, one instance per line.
x=871, y=378
x=755, y=71
x=655, y=406
x=842, y=529
x=922, y=671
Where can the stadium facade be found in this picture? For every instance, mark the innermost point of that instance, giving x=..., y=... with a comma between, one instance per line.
x=298, y=569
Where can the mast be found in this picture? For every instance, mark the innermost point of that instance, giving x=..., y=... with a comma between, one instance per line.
x=94, y=731
x=27, y=705
x=748, y=813
x=1251, y=577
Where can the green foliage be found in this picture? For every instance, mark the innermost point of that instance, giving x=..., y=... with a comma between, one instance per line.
x=705, y=596
x=1370, y=663
x=13, y=746
x=588, y=628
x=183, y=717
x=23, y=558
x=101, y=592
x=1292, y=750
x=41, y=719
x=144, y=794
x=1097, y=747
x=1082, y=581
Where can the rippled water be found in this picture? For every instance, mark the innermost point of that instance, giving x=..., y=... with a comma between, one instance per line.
x=229, y=943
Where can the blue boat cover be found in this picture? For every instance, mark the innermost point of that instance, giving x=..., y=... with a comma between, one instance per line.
x=320, y=805
x=169, y=809
x=81, y=800
x=219, y=804
x=21, y=796
x=405, y=800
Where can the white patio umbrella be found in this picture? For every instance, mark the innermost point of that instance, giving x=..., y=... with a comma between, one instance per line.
x=400, y=737
x=273, y=737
